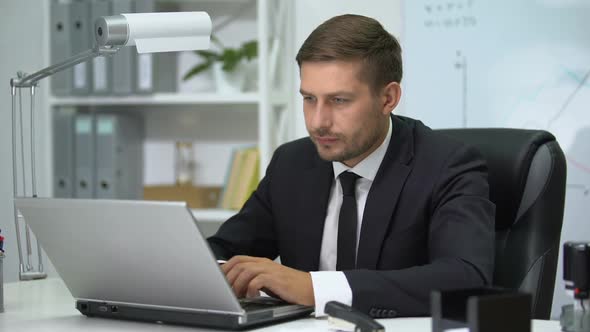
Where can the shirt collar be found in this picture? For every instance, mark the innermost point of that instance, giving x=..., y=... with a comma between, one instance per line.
x=369, y=166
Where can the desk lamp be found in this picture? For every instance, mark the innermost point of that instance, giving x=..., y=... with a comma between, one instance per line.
x=150, y=33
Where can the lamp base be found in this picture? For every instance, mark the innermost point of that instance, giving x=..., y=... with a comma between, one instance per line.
x=25, y=276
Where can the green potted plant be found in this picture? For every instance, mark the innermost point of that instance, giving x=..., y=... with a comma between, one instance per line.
x=225, y=64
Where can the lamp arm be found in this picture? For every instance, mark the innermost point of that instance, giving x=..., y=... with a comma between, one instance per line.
x=32, y=79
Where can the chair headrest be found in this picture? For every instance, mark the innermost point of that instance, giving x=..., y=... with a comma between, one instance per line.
x=509, y=153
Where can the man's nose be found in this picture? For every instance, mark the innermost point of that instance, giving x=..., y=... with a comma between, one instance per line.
x=322, y=118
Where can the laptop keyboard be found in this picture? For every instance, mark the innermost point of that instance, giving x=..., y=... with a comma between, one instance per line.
x=258, y=303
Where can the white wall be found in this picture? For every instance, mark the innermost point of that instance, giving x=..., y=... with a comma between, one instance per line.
x=23, y=42
x=309, y=14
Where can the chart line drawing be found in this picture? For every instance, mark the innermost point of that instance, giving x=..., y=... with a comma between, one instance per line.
x=569, y=99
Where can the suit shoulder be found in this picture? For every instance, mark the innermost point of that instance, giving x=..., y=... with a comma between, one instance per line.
x=301, y=145
x=297, y=152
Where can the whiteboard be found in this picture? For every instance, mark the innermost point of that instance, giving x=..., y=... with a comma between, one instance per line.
x=520, y=64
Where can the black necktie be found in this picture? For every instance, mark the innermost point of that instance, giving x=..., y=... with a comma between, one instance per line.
x=347, y=223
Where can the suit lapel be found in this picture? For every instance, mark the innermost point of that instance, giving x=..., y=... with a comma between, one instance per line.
x=384, y=194
x=316, y=183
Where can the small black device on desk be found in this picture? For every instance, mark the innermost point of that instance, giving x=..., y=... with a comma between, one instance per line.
x=575, y=317
x=1, y=273
x=484, y=309
x=343, y=316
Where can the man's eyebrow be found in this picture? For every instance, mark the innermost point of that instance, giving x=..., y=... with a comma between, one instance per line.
x=332, y=94
x=340, y=93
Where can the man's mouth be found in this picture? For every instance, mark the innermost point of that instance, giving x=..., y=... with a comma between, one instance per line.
x=325, y=140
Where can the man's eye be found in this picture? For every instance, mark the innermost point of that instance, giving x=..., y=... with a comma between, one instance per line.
x=340, y=100
x=308, y=98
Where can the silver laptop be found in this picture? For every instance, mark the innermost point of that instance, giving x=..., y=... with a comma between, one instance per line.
x=143, y=260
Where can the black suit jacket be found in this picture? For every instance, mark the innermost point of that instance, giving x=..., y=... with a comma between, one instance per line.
x=427, y=224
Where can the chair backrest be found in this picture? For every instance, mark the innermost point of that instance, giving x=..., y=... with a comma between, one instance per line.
x=527, y=176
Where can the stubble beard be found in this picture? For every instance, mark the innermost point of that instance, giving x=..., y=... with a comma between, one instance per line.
x=353, y=148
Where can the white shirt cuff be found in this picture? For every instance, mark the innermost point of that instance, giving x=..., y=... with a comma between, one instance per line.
x=329, y=286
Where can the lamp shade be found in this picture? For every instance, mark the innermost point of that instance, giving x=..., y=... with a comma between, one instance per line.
x=155, y=32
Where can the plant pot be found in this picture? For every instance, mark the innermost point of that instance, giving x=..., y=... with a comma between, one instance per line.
x=228, y=82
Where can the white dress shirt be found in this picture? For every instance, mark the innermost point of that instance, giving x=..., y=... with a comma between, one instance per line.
x=328, y=284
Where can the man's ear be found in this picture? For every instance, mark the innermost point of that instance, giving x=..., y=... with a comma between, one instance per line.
x=391, y=95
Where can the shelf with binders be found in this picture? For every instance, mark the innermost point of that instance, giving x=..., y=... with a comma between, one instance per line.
x=195, y=110
x=139, y=81
x=164, y=99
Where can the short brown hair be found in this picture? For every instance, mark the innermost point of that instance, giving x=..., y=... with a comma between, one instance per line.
x=356, y=37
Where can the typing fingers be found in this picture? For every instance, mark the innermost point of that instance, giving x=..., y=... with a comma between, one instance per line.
x=229, y=265
x=256, y=284
x=240, y=276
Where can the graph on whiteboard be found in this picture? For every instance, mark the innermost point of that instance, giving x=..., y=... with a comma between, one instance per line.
x=520, y=64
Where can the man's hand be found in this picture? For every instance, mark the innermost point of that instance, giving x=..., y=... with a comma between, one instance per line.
x=248, y=275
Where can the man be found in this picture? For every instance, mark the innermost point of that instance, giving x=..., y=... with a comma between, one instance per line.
x=372, y=209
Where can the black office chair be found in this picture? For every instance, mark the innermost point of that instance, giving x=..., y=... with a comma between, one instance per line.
x=527, y=174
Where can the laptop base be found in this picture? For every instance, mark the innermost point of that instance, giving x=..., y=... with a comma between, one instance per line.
x=192, y=318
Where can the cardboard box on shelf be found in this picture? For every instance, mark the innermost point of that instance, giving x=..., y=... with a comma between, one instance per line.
x=196, y=197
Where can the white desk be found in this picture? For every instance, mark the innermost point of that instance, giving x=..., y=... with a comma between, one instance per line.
x=46, y=305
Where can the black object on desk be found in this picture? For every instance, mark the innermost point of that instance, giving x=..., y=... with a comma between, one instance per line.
x=1, y=282
x=481, y=310
x=361, y=322
x=576, y=269
x=576, y=276
x=1, y=273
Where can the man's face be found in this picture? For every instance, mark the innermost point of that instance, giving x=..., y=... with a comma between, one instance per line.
x=343, y=118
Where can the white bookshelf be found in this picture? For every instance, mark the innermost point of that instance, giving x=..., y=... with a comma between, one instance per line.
x=169, y=99
x=268, y=108
x=162, y=99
